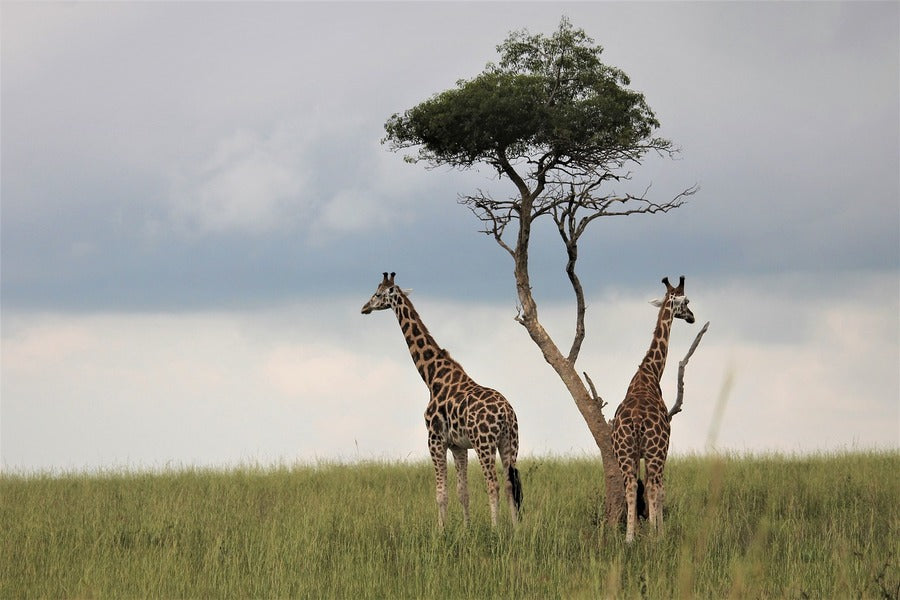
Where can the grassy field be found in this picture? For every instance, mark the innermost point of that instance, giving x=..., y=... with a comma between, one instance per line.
x=754, y=527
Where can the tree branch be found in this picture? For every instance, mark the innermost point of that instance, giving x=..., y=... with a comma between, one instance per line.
x=676, y=408
x=495, y=215
x=594, y=395
x=569, y=232
x=506, y=167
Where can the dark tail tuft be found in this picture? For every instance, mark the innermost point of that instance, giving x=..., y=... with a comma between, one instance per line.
x=642, y=509
x=516, y=486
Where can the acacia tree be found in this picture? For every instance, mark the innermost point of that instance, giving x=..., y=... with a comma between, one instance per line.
x=560, y=126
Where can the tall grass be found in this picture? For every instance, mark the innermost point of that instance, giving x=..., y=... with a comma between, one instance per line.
x=758, y=527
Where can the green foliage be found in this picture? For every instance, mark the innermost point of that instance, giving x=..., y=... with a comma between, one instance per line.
x=549, y=100
x=821, y=527
x=468, y=124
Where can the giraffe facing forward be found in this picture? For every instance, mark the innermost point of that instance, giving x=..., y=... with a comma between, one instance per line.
x=460, y=415
x=641, y=424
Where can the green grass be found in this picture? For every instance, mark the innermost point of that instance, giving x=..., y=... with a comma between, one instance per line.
x=744, y=527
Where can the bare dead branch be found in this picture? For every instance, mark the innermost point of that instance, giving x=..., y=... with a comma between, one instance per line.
x=594, y=394
x=676, y=408
x=494, y=214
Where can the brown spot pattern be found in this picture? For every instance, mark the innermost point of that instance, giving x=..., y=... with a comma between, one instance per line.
x=461, y=414
x=641, y=424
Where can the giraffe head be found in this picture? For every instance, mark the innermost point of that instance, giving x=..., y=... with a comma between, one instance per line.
x=385, y=295
x=679, y=301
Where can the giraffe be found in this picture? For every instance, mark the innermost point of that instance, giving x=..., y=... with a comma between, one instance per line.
x=641, y=423
x=460, y=414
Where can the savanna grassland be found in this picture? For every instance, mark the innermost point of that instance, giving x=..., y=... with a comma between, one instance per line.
x=824, y=526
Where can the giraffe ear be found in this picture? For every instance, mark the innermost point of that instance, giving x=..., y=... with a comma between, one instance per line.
x=407, y=291
x=657, y=303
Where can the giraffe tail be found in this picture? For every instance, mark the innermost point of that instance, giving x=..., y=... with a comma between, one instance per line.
x=516, y=483
x=642, y=508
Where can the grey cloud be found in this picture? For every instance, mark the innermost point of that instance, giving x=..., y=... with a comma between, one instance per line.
x=113, y=126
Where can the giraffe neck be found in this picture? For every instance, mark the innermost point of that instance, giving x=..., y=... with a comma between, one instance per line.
x=423, y=349
x=655, y=361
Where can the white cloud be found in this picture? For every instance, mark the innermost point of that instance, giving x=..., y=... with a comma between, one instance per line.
x=319, y=380
x=46, y=346
x=211, y=388
x=318, y=370
x=811, y=371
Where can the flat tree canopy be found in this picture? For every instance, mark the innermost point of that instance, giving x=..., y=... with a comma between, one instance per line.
x=550, y=103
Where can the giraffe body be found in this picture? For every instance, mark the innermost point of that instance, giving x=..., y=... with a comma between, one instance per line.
x=461, y=414
x=641, y=423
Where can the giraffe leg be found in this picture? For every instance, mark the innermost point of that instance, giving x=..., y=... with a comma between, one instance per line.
x=655, y=464
x=631, y=506
x=653, y=500
x=438, y=449
x=655, y=493
x=628, y=457
x=487, y=457
x=508, y=451
x=461, y=458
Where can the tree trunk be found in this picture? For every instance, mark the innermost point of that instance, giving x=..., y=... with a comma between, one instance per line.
x=590, y=407
x=592, y=414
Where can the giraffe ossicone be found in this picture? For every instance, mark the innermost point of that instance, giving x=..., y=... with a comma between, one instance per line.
x=460, y=415
x=641, y=424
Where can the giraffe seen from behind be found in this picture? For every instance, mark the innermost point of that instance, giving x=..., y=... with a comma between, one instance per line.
x=460, y=414
x=641, y=423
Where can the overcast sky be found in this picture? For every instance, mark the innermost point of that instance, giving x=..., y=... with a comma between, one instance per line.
x=196, y=203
